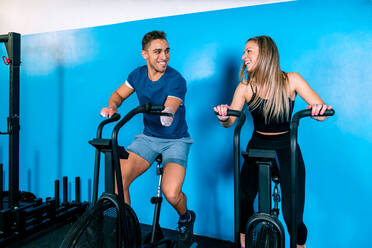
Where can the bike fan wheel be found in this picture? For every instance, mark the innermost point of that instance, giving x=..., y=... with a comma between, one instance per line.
x=263, y=235
x=99, y=227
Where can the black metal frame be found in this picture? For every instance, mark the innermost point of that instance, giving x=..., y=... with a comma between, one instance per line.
x=241, y=119
x=156, y=232
x=294, y=161
x=266, y=162
x=12, y=43
x=103, y=145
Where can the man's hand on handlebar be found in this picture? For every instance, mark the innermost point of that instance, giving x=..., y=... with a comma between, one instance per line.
x=317, y=110
x=107, y=112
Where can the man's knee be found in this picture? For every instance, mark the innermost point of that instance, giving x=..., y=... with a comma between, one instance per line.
x=126, y=182
x=132, y=167
x=173, y=196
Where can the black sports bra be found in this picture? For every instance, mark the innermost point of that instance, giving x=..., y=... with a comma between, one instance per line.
x=272, y=126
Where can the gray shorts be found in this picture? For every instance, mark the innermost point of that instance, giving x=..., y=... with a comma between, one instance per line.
x=172, y=150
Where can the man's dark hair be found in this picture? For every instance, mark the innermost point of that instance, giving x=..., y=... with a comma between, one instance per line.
x=150, y=36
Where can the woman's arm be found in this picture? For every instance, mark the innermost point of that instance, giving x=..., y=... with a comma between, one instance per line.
x=242, y=94
x=316, y=104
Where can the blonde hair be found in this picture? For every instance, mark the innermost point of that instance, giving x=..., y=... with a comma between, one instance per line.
x=268, y=81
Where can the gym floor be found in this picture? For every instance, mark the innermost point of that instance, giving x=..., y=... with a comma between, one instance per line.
x=53, y=237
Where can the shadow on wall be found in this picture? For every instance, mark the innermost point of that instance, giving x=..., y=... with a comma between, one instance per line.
x=229, y=82
x=37, y=173
x=29, y=180
x=216, y=168
x=60, y=104
x=56, y=53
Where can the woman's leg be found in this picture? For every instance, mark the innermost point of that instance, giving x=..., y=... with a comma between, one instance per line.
x=248, y=192
x=285, y=173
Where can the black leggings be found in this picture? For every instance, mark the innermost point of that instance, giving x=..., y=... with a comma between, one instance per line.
x=249, y=181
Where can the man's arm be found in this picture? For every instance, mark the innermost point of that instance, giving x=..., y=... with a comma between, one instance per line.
x=116, y=99
x=171, y=105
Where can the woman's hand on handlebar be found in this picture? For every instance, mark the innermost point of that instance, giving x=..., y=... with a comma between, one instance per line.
x=317, y=110
x=107, y=112
x=222, y=112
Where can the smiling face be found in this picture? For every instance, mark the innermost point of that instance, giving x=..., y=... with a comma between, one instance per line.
x=156, y=55
x=250, y=55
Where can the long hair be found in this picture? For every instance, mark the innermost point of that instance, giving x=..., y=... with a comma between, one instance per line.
x=268, y=81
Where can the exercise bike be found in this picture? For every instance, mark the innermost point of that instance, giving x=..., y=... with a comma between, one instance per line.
x=263, y=229
x=110, y=222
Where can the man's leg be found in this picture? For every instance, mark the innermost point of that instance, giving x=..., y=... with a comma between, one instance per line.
x=131, y=168
x=173, y=177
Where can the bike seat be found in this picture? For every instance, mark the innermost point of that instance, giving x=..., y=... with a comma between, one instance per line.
x=159, y=158
x=105, y=145
x=261, y=155
x=265, y=156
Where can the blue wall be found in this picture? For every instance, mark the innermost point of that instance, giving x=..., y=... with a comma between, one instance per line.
x=68, y=76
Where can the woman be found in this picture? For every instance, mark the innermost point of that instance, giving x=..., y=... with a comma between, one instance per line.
x=270, y=94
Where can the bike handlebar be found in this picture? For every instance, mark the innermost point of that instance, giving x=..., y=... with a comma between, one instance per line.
x=307, y=112
x=147, y=108
x=236, y=113
x=113, y=118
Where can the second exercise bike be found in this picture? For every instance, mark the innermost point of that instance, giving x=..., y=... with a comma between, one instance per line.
x=263, y=229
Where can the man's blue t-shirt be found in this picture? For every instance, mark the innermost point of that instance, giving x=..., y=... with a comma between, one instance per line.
x=170, y=84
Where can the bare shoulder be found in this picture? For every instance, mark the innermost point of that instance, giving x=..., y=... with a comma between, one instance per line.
x=293, y=77
x=241, y=95
x=294, y=81
x=244, y=91
x=124, y=90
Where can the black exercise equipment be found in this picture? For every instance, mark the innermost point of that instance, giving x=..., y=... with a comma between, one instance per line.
x=241, y=119
x=156, y=233
x=294, y=161
x=272, y=232
x=145, y=109
x=263, y=229
x=22, y=213
x=12, y=43
x=110, y=222
x=101, y=224
x=32, y=215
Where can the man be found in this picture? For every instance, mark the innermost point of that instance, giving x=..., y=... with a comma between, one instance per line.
x=159, y=83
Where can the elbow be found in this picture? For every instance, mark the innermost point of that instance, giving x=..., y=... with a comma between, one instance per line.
x=226, y=124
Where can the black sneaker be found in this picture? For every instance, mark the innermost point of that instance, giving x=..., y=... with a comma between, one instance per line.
x=185, y=232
